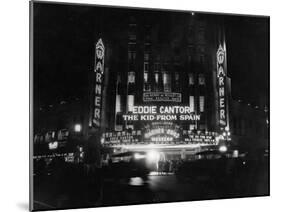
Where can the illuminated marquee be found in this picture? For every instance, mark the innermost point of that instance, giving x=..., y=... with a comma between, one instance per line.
x=161, y=109
x=161, y=97
x=121, y=137
x=221, y=76
x=99, y=70
x=161, y=131
x=161, y=113
x=200, y=139
x=159, y=135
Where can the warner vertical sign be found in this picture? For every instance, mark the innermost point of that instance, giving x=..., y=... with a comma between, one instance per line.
x=99, y=72
x=221, y=77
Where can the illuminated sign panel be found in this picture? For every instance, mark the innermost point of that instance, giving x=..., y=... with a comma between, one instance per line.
x=121, y=137
x=161, y=135
x=161, y=131
x=158, y=136
x=161, y=113
x=53, y=145
x=99, y=70
x=221, y=77
x=194, y=138
x=161, y=96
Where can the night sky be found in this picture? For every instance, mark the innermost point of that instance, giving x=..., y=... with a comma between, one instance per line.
x=64, y=39
x=248, y=58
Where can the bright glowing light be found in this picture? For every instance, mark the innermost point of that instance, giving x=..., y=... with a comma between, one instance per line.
x=53, y=145
x=153, y=156
x=136, y=181
x=102, y=140
x=141, y=147
x=223, y=149
x=224, y=134
x=235, y=153
x=228, y=133
x=77, y=127
x=138, y=156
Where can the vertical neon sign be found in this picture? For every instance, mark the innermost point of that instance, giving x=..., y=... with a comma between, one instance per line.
x=221, y=76
x=99, y=71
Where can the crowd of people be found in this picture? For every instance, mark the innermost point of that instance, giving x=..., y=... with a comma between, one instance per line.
x=167, y=166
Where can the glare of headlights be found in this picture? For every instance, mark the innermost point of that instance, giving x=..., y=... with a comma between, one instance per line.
x=153, y=156
x=138, y=156
x=223, y=149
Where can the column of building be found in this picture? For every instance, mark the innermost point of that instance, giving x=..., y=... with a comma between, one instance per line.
x=196, y=82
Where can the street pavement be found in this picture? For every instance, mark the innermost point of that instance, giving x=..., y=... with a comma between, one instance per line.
x=156, y=189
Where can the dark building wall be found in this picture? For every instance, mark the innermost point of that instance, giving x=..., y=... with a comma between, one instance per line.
x=61, y=116
x=249, y=125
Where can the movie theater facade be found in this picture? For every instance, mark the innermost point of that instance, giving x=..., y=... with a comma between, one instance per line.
x=161, y=91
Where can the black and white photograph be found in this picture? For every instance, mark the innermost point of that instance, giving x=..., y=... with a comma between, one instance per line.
x=142, y=106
